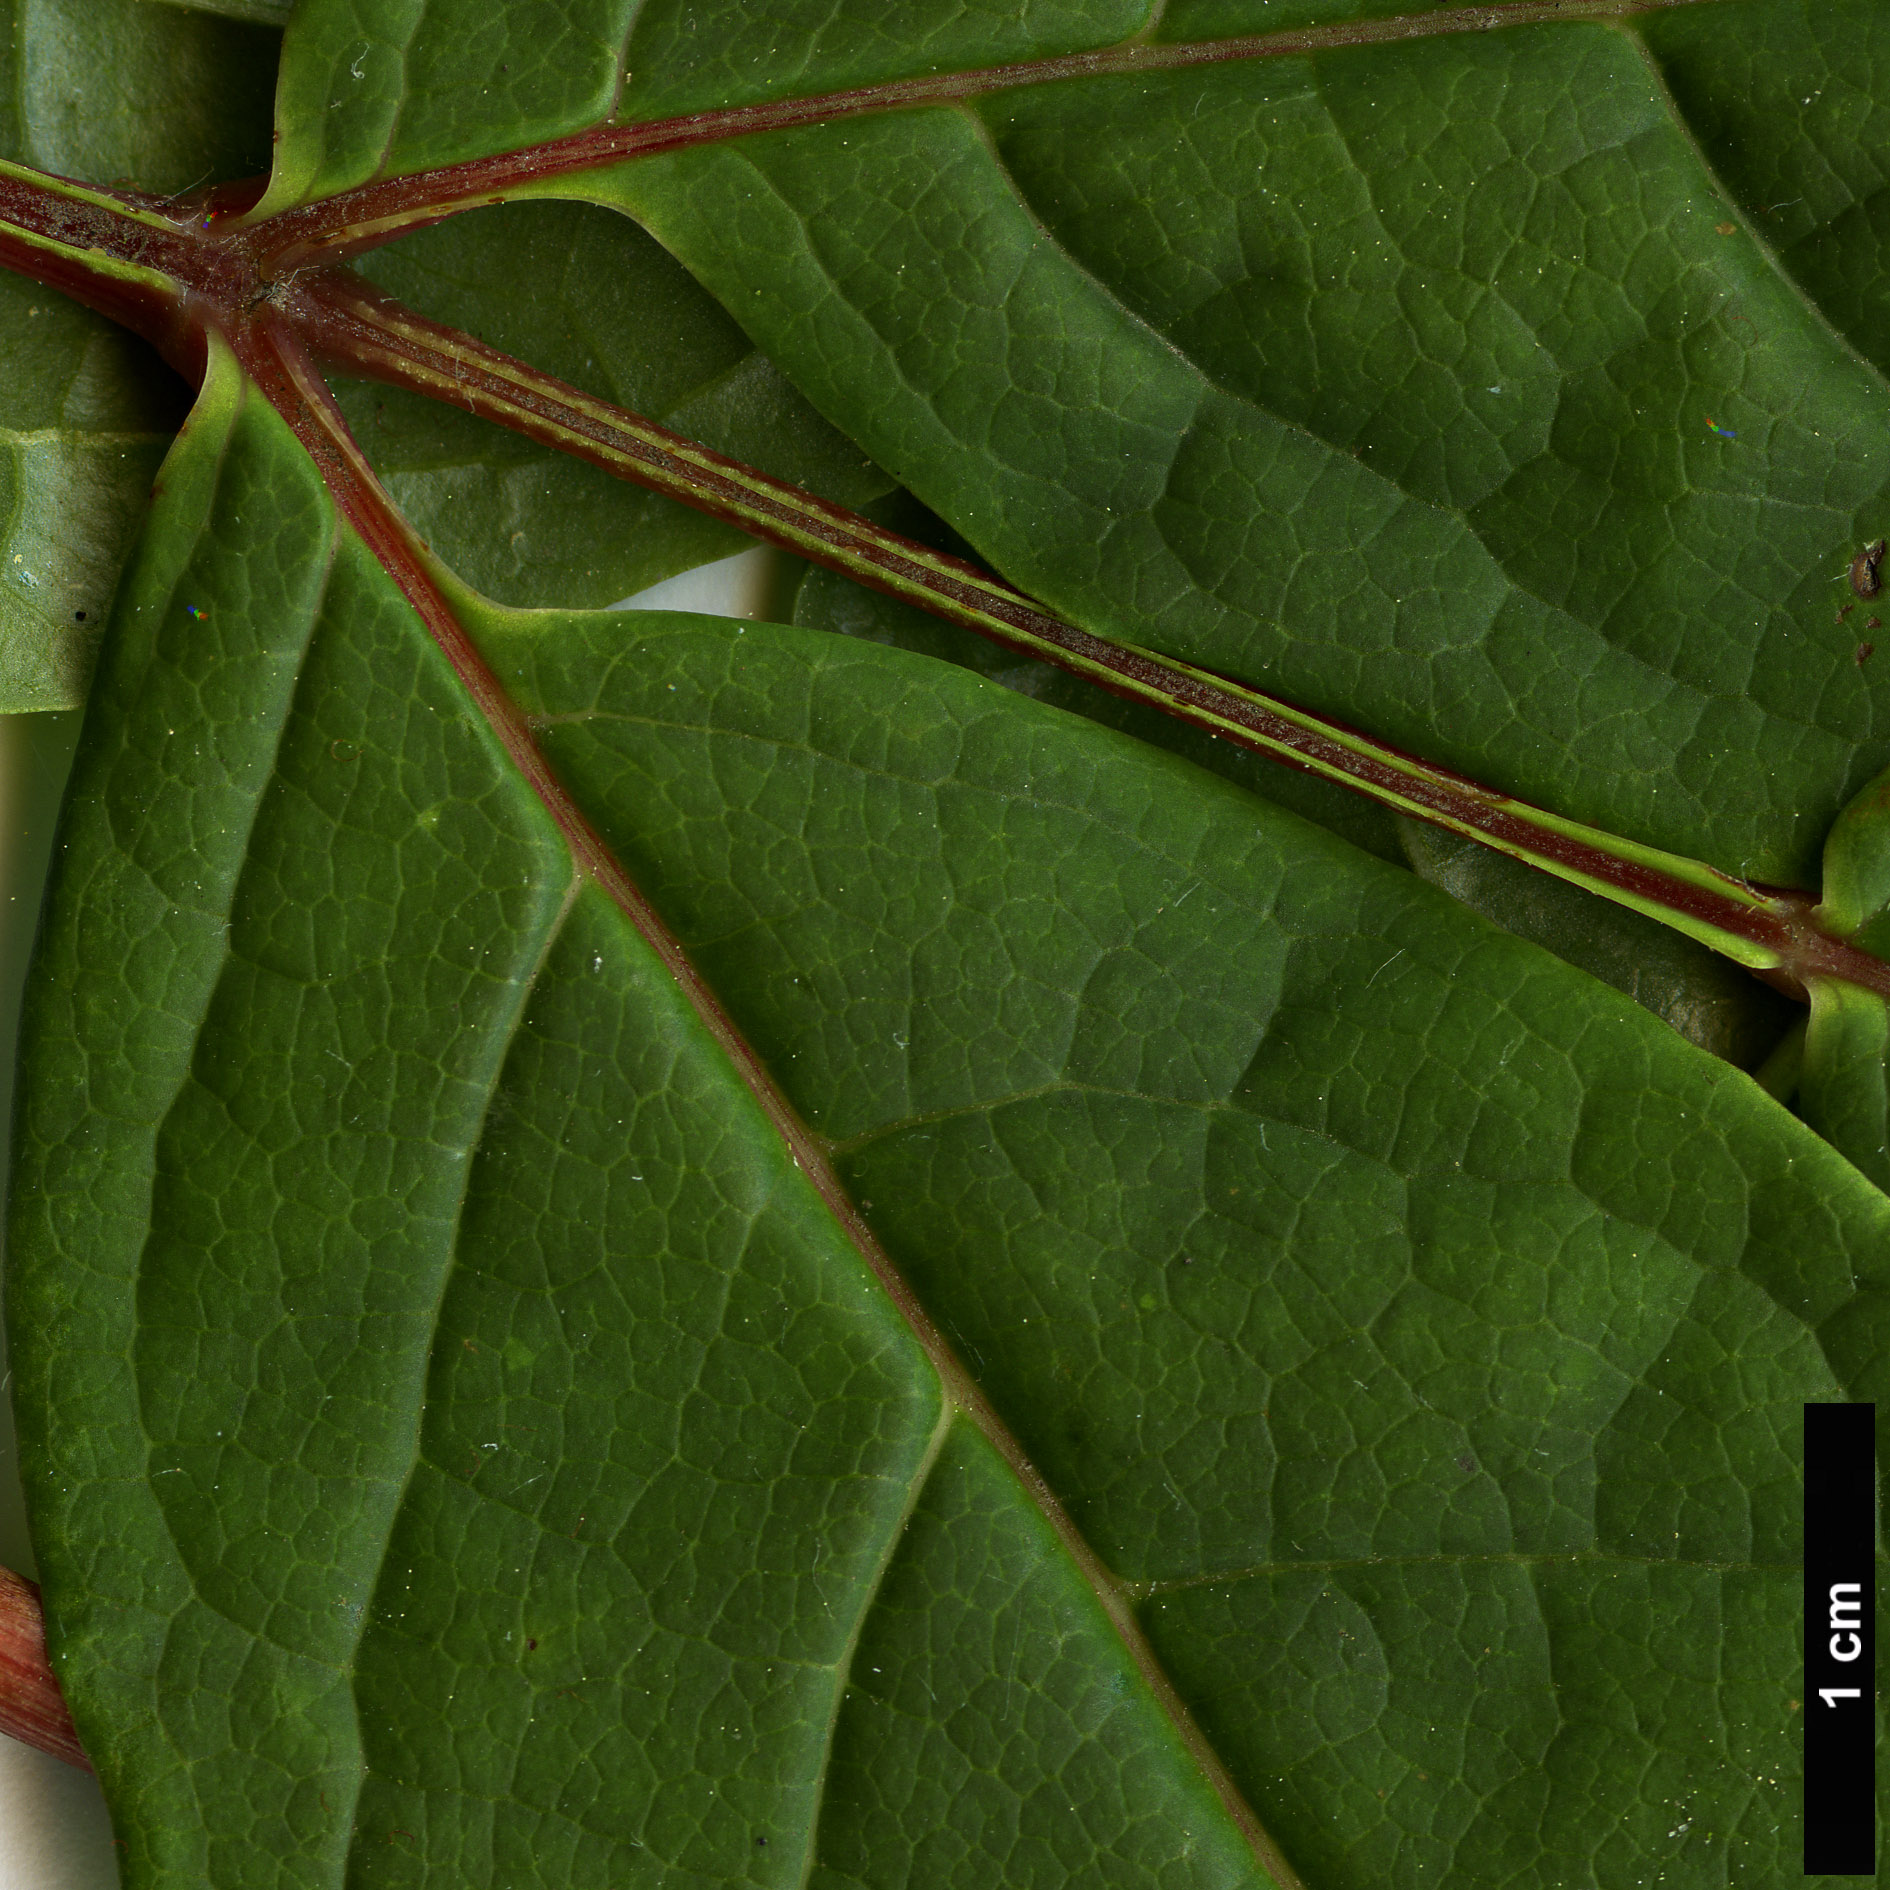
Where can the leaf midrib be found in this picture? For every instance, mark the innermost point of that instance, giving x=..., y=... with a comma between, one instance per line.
x=1479, y=19
x=288, y=381
x=378, y=210
x=1753, y=926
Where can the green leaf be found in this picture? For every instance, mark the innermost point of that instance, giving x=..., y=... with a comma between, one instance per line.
x=1786, y=111
x=430, y=1349
x=913, y=1286
x=86, y=414
x=1183, y=295
x=1569, y=586
x=588, y=297
x=85, y=409
x=257, y=12
x=1843, y=1079
x=1707, y=1000
x=383, y=90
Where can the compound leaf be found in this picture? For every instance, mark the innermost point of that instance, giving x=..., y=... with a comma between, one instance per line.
x=1116, y=1337
x=464, y=1444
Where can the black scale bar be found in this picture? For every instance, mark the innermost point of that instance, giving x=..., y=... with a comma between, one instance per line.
x=1840, y=1640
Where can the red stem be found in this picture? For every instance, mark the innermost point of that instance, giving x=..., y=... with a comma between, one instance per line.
x=32, y=1708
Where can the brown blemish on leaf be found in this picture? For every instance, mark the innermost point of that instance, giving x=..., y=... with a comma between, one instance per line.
x=1865, y=651
x=1724, y=229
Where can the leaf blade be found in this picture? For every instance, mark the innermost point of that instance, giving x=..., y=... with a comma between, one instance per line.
x=1534, y=1223
x=88, y=408
x=586, y=296
x=1097, y=995
x=1113, y=474
x=1034, y=1218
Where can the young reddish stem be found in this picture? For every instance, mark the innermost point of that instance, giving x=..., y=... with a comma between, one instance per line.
x=32, y=1708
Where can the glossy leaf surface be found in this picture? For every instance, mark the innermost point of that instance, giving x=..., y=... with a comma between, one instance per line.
x=1123, y=1336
